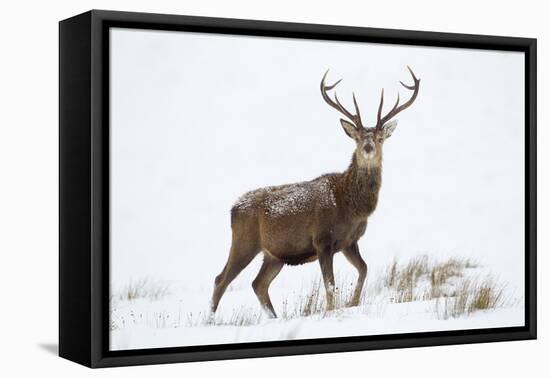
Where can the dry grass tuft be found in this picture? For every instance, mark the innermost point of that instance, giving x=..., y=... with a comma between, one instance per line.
x=471, y=296
x=442, y=273
x=142, y=288
x=403, y=280
x=489, y=294
x=408, y=282
x=312, y=300
x=241, y=317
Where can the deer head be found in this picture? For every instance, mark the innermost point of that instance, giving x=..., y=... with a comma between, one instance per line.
x=369, y=140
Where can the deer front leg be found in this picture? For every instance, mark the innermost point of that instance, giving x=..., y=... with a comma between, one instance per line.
x=326, y=257
x=354, y=257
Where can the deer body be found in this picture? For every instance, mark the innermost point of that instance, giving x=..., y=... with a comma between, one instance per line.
x=292, y=219
x=312, y=220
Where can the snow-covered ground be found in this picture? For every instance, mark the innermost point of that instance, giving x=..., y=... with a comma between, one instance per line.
x=181, y=318
x=399, y=318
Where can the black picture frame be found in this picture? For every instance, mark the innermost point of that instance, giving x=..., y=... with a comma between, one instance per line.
x=84, y=187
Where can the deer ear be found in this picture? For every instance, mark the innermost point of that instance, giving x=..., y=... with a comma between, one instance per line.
x=389, y=128
x=349, y=128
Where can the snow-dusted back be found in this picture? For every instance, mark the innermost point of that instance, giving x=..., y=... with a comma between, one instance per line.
x=290, y=199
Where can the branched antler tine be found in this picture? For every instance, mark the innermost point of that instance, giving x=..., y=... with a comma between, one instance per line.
x=324, y=77
x=343, y=109
x=380, y=108
x=409, y=87
x=357, y=112
x=324, y=89
x=331, y=87
x=396, y=103
x=412, y=74
x=336, y=104
x=399, y=108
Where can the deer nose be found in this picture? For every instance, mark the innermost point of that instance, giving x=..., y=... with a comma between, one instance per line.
x=369, y=148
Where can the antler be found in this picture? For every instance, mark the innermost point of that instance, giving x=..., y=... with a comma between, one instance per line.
x=398, y=108
x=355, y=118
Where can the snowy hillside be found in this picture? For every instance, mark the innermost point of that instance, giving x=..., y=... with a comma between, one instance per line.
x=418, y=296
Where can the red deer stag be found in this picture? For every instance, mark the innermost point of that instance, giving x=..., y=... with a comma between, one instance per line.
x=298, y=223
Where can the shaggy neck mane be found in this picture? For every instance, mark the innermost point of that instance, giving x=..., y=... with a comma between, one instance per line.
x=360, y=187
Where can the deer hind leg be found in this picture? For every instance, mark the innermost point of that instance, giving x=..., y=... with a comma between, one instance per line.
x=354, y=257
x=269, y=270
x=239, y=258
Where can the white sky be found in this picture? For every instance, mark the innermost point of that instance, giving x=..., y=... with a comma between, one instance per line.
x=199, y=119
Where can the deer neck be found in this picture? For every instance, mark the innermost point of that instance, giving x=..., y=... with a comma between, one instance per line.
x=361, y=185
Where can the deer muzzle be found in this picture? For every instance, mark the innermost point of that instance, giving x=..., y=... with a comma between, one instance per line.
x=369, y=148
